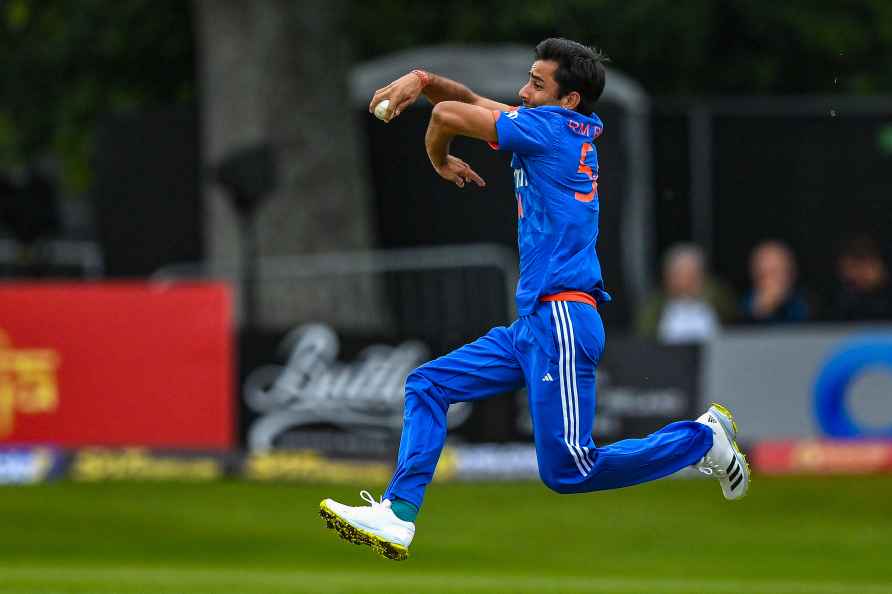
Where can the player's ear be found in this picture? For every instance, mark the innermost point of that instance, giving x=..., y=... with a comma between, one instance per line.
x=571, y=100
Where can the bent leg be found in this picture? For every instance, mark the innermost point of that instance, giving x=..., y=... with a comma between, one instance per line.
x=633, y=461
x=563, y=415
x=483, y=368
x=561, y=388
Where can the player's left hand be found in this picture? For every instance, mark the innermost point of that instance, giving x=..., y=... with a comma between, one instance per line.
x=458, y=172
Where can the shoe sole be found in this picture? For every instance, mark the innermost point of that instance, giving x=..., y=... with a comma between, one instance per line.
x=725, y=418
x=358, y=536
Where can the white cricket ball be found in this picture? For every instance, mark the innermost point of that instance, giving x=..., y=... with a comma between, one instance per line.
x=381, y=109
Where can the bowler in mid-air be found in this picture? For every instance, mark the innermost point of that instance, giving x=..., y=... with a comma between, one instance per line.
x=557, y=340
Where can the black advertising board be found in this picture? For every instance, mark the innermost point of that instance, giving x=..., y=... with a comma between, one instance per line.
x=313, y=389
x=643, y=385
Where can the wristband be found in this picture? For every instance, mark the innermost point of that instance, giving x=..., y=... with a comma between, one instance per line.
x=423, y=76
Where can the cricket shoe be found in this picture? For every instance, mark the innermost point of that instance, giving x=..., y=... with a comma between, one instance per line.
x=724, y=460
x=374, y=525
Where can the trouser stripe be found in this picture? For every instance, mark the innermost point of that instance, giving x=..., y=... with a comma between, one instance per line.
x=573, y=436
x=565, y=368
x=568, y=422
x=572, y=342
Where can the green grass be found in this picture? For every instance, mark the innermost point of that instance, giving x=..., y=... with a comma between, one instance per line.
x=815, y=535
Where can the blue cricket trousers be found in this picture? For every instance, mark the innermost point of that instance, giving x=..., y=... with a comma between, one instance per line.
x=555, y=351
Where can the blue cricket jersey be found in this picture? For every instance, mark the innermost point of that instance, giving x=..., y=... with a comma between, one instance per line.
x=555, y=180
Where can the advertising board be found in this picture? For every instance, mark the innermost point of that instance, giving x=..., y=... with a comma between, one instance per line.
x=116, y=364
x=804, y=382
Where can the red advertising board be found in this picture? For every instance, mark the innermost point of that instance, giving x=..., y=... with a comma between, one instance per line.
x=114, y=364
x=823, y=457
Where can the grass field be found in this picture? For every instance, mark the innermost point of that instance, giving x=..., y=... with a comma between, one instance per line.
x=816, y=535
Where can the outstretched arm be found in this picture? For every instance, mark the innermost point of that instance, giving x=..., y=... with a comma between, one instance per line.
x=448, y=120
x=405, y=90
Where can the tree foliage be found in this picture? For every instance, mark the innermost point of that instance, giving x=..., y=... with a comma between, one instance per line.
x=68, y=62
x=696, y=47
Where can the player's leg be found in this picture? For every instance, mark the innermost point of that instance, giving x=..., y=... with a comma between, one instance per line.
x=560, y=389
x=704, y=443
x=483, y=368
x=563, y=414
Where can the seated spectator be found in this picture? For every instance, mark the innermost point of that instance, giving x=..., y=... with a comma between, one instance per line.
x=689, y=308
x=774, y=297
x=864, y=291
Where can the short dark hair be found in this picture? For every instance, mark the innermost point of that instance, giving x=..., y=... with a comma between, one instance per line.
x=580, y=68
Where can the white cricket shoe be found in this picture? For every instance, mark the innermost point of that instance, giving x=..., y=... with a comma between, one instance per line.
x=724, y=460
x=374, y=525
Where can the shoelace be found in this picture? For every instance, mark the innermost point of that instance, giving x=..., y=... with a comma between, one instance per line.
x=708, y=466
x=366, y=496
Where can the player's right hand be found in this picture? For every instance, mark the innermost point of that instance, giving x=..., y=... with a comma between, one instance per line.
x=401, y=93
x=458, y=172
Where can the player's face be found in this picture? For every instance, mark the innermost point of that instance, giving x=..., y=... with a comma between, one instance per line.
x=541, y=88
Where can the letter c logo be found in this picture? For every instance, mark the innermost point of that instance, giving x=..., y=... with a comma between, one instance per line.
x=836, y=377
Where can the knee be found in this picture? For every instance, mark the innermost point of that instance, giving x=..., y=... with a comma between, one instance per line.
x=418, y=385
x=564, y=473
x=418, y=382
x=554, y=483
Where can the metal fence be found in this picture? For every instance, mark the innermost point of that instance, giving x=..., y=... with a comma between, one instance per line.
x=442, y=294
x=57, y=258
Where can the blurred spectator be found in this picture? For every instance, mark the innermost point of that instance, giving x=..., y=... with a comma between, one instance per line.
x=774, y=297
x=864, y=291
x=689, y=308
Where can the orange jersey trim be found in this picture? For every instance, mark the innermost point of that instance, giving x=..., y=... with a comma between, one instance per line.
x=577, y=296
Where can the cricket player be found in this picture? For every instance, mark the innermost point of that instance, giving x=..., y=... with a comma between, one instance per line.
x=555, y=344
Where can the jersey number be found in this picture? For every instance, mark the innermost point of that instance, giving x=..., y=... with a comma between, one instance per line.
x=583, y=168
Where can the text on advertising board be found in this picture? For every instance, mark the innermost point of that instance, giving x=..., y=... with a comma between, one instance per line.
x=28, y=382
x=315, y=402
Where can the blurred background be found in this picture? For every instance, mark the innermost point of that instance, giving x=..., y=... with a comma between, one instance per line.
x=217, y=264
